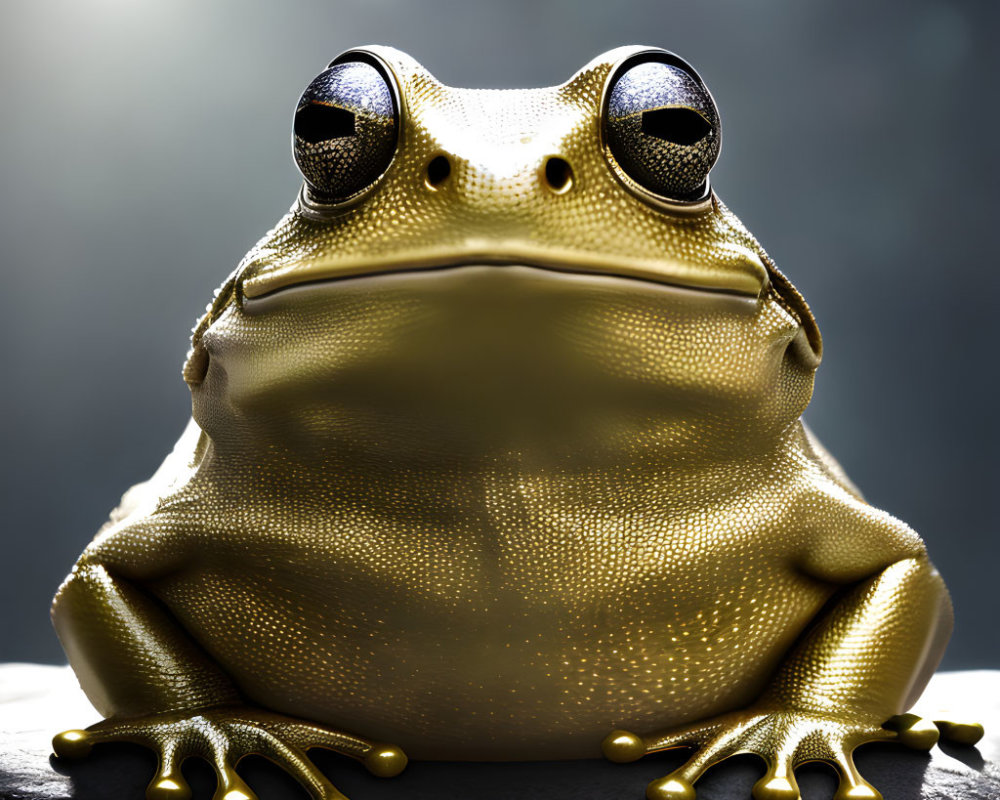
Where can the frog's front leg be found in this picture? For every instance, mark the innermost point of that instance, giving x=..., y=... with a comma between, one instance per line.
x=159, y=689
x=846, y=683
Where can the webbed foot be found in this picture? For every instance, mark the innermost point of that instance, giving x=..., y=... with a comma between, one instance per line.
x=224, y=735
x=785, y=739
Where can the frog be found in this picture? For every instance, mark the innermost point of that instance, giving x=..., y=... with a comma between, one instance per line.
x=496, y=453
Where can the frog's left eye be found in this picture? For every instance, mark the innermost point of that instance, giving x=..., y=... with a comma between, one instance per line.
x=346, y=127
x=661, y=127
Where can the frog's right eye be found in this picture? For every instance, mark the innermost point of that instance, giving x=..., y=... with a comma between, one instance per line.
x=345, y=132
x=661, y=128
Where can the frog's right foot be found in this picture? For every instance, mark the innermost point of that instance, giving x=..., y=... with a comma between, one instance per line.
x=224, y=735
x=784, y=739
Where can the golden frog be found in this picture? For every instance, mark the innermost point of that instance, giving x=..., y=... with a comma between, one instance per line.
x=496, y=453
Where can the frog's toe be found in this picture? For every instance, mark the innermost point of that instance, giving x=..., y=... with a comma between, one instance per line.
x=72, y=744
x=670, y=787
x=852, y=785
x=713, y=749
x=383, y=760
x=965, y=733
x=168, y=786
x=296, y=763
x=914, y=731
x=168, y=783
x=619, y=746
x=230, y=786
x=679, y=784
x=623, y=746
x=779, y=781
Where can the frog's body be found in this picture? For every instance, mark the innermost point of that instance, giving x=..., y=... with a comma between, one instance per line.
x=530, y=469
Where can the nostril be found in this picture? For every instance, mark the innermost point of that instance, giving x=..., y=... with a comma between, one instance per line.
x=438, y=170
x=558, y=174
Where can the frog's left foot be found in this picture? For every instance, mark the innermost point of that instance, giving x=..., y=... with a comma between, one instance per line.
x=784, y=739
x=224, y=735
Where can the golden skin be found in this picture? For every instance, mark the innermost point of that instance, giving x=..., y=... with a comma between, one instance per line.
x=490, y=468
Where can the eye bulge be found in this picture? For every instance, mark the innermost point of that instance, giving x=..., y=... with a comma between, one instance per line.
x=345, y=130
x=662, y=128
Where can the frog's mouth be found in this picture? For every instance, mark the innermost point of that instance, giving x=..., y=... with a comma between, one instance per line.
x=736, y=271
x=740, y=272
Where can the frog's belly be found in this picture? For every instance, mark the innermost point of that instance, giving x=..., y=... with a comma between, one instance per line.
x=501, y=675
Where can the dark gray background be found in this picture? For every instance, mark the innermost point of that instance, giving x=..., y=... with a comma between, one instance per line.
x=144, y=146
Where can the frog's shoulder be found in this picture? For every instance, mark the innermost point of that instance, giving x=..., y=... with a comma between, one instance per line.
x=175, y=470
x=142, y=537
x=842, y=538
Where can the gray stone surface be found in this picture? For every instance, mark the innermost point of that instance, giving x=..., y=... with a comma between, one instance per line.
x=37, y=701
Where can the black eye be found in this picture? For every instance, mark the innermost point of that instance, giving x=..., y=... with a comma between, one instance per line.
x=662, y=128
x=346, y=126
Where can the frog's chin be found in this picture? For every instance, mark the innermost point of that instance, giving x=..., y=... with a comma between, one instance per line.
x=484, y=358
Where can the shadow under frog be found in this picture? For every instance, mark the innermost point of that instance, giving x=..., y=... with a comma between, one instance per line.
x=496, y=455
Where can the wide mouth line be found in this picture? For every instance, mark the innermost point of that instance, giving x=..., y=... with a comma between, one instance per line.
x=266, y=285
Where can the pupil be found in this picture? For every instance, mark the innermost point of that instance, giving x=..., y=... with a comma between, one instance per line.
x=678, y=125
x=317, y=122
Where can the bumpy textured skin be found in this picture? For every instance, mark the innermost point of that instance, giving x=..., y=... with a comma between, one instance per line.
x=488, y=471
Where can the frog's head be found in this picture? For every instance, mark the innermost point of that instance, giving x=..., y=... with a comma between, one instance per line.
x=502, y=256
